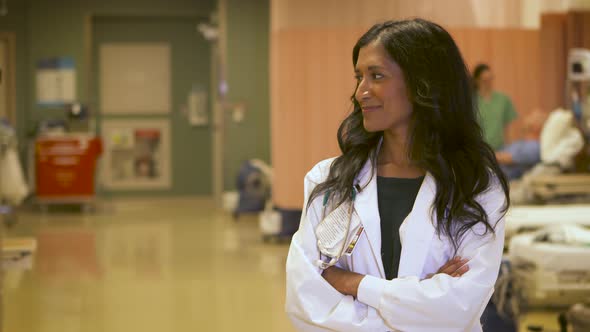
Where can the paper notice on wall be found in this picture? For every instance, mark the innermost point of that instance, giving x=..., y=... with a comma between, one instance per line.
x=197, y=107
x=56, y=82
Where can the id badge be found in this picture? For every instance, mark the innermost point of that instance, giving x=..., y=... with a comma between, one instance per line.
x=354, y=241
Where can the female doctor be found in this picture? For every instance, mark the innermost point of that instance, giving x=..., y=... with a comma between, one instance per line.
x=425, y=188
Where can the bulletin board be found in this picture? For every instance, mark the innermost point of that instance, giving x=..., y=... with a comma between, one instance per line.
x=136, y=155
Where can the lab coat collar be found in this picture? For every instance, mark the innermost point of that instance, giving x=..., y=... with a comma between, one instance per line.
x=417, y=229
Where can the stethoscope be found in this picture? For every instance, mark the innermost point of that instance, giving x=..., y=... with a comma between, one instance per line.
x=324, y=265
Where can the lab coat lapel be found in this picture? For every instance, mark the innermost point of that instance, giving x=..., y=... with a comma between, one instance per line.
x=417, y=231
x=366, y=206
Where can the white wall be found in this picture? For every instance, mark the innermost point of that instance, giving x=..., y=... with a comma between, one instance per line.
x=532, y=9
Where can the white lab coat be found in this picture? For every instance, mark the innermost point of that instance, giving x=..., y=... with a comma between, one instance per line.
x=406, y=303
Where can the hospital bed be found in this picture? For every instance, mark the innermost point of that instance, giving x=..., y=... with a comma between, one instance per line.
x=525, y=218
x=553, y=187
x=546, y=183
x=17, y=257
x=561, y=141
x=551, y=267
x=548, y=258
x=17, y=253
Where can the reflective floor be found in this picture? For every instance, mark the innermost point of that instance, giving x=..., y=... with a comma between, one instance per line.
x=157, y=265
x=163, y=265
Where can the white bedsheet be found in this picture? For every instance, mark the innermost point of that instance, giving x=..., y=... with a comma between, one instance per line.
x=567, y=248
x=532, y=217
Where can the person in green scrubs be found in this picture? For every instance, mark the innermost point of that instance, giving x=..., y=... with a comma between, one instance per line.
x=495, y=108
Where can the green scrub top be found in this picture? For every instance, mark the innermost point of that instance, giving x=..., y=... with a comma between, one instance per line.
x=495, y=114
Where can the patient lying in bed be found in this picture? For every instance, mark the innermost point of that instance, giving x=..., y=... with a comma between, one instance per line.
x=523, y=154
x=559, y=142
x=518, y=157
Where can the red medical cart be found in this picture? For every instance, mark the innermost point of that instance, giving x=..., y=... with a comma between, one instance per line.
x=65, y=168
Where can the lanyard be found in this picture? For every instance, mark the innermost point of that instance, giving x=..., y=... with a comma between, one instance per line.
x=355, y=189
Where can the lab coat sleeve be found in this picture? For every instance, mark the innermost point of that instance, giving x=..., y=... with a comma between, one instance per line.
x=443, y=303
x=312, y=303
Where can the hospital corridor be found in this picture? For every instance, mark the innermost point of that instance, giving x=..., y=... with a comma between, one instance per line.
x=295, y=165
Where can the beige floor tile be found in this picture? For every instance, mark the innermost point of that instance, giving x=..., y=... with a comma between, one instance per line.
x=148, y=265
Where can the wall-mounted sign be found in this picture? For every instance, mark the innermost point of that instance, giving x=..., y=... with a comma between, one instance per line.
x=56, y=82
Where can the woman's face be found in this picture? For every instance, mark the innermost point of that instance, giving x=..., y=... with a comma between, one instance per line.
x=485, y=81
x=381, y=90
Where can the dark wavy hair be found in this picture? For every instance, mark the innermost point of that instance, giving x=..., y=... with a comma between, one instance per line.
x=479, y=69
x=445, y=137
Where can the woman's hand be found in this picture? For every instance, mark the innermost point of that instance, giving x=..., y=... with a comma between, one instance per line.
x=455, y=267
x=345, y=282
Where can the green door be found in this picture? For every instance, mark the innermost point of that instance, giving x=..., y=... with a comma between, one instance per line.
x=189, y=152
